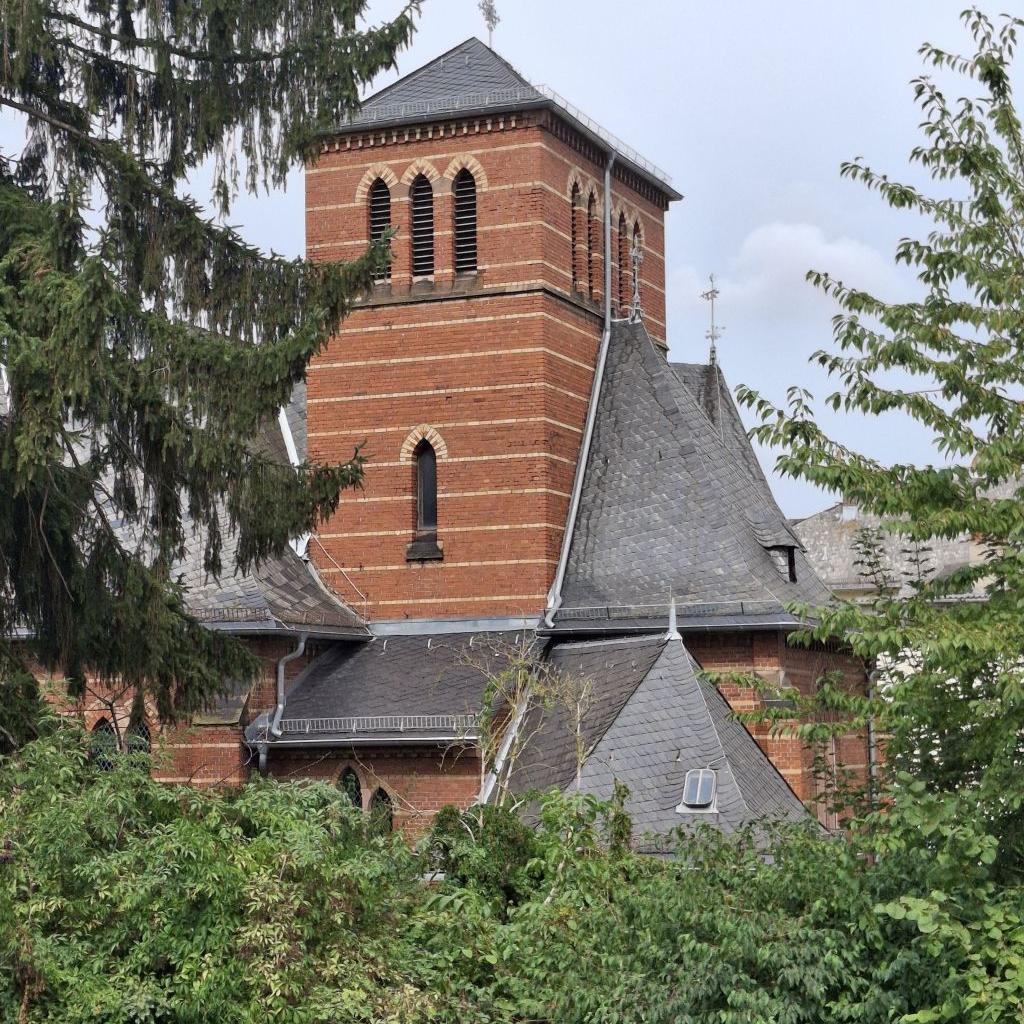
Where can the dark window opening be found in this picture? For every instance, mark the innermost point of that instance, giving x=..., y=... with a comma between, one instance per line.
x=464, y=222
x=382, y=813
x=380, y=220
x=348, y=783
x=638, y=247
x=422, y=197
x=699, y=790
x=623, y=288
x=591, y=242
x=103, y=745
x=424, y=545
x=574, y=237
x=785, y=562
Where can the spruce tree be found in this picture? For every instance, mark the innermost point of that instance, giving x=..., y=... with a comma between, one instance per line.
x=144, y=343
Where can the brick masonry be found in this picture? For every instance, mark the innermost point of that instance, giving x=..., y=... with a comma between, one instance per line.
x=498, y=363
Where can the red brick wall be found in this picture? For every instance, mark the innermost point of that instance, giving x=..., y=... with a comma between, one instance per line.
x=768, y=655
x=498, y=363
x=419, y=782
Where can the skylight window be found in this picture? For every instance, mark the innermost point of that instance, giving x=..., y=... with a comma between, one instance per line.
x=699, y=790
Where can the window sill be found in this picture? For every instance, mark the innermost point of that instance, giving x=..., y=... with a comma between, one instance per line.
x=424, y=549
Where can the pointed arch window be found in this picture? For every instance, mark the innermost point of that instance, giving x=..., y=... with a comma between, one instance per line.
x=421, y=196
x=137, y=739
x=574, y=237
x=638, y=246
x=348, y=783
x=379, y=211
x=591, y=241
x=464, y=221
x=623, y=240
x=382, y=812
x=424, y=546
x=103, y=745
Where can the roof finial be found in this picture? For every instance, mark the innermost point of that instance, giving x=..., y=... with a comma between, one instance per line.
x=636, y=255
x=489, y=9
x=673, y=630
x=714, y=332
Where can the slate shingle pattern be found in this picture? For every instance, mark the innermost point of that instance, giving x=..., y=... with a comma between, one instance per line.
x=415, y=678
x=664, y=721
x=671, y=509
x=470, y=77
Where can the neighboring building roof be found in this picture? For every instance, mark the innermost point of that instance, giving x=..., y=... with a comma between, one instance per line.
x=654, y=719
x=674, y=504
x=471, y=79
x=399, y=689
x=830, y=538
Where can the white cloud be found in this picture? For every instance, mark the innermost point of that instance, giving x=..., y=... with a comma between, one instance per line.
x=766, y=279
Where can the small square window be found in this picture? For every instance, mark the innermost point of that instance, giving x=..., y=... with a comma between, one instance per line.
x=699, y=790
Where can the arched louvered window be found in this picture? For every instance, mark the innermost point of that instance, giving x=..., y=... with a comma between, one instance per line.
x=382, y=813
x=348, y=783
x=421, y=196
x=103, y=745
x=426, y=490
x=591, y=241
x=379, y=210
x=623, y=286
x=574, y=237
x=464, y=221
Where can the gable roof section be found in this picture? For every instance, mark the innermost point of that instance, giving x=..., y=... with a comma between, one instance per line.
x=653, y=719
x=672, y=508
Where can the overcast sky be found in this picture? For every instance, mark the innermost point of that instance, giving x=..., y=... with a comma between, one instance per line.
x=750, y=107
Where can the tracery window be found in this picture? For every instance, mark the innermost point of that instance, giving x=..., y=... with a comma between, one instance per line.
x=103, y=745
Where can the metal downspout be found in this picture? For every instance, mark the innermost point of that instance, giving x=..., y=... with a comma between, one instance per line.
x=555, y=593
x=275, y=726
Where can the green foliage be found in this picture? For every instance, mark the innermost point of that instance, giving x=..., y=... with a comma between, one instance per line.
x=124, y=900
x=949, y=694
x=146, y=344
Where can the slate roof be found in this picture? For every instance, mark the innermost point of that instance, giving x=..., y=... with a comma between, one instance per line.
x=471, y=80
x=398, y=689
x=655, y=719
x=674, y=505
x=282, y=595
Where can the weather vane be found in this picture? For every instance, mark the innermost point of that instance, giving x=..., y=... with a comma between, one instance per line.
x=489, y=9
x=714, y=332
x=636, y=256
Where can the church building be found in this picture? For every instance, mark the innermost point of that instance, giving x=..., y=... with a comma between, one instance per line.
x=541, y=478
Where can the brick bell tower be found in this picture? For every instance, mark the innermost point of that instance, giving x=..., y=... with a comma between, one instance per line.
x=466, y=374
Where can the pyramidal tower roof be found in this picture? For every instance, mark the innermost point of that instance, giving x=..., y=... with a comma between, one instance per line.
x=472, y=80
x=674, y=506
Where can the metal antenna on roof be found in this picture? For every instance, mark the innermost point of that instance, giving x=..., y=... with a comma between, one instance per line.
x=489, y=9
x=714, y=332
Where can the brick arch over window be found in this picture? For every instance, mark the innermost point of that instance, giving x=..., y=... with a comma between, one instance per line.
x=424, y=432
x=467, y=162
x=418, y=167
x=381, y=171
